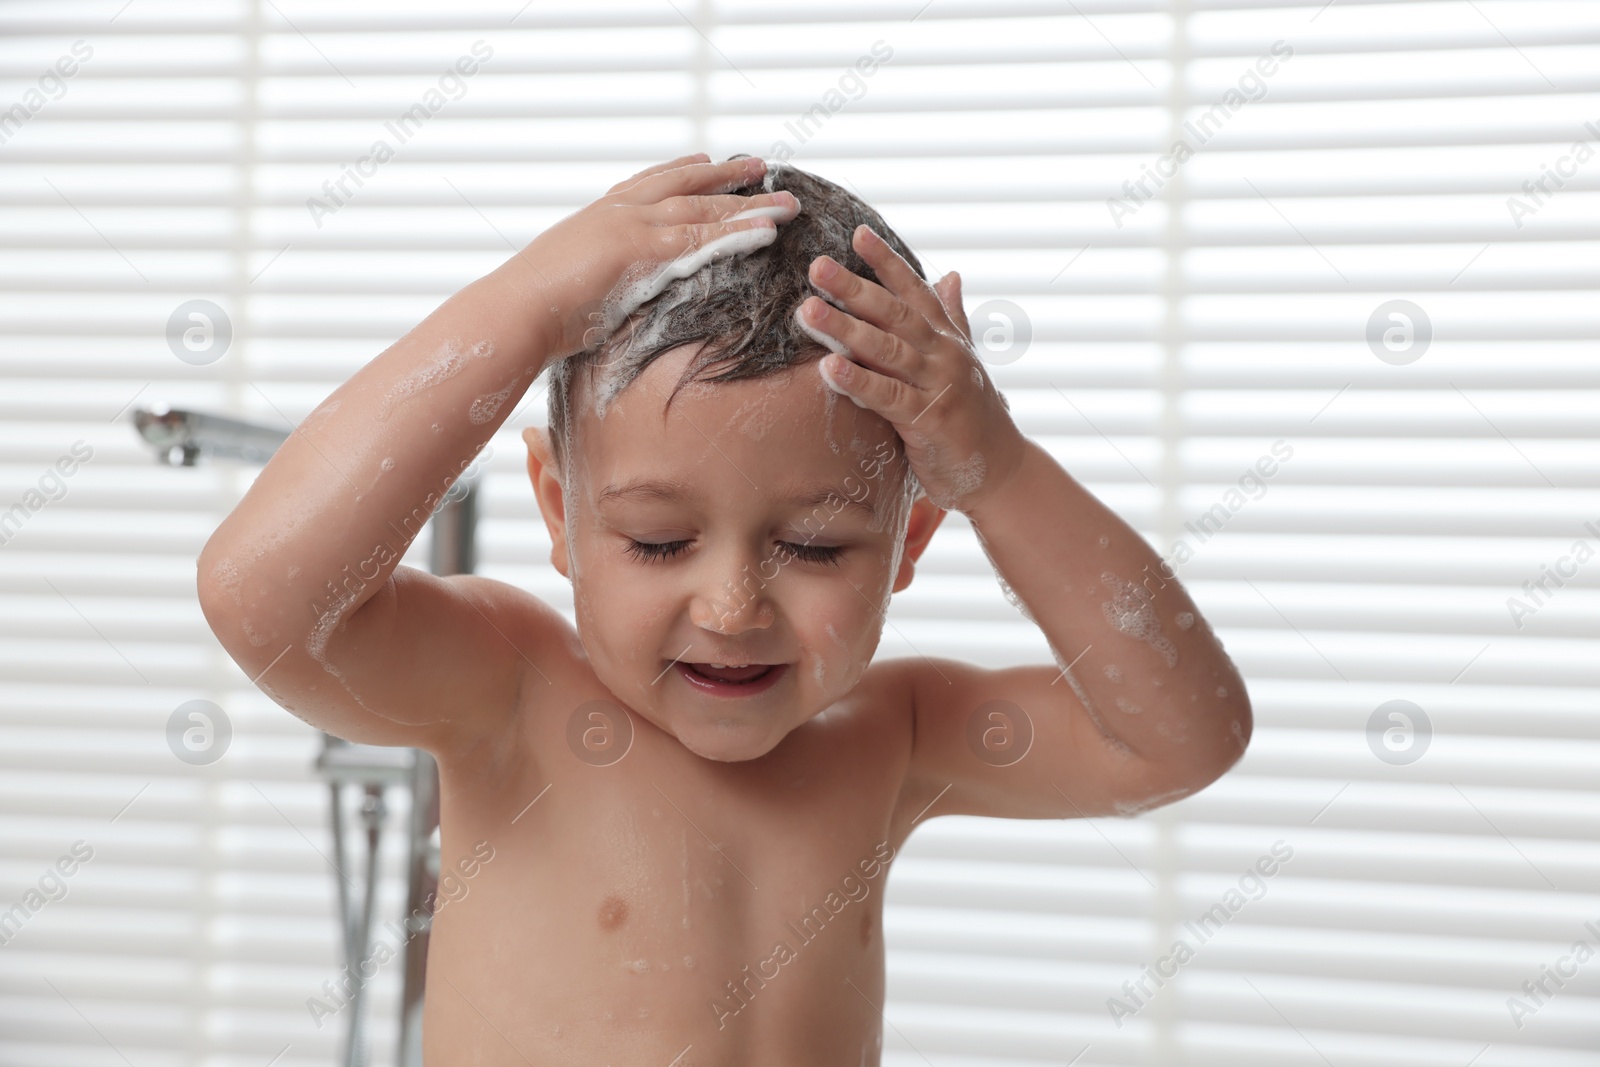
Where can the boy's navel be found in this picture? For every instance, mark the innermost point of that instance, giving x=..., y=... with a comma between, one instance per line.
x=613, y=913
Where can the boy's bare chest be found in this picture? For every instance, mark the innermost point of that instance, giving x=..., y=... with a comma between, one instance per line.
x=663, y=899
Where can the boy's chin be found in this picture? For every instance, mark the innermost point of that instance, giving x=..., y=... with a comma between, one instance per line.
x=727, y=741
x=725, y=746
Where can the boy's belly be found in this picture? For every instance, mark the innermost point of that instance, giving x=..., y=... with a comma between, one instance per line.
x=672, y=912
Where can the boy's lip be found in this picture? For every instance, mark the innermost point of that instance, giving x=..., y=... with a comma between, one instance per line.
x=711, y=687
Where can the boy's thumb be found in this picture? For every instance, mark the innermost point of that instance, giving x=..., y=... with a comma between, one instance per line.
x=948, y=290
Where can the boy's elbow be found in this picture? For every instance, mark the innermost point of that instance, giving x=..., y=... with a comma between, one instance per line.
x=1235, y=724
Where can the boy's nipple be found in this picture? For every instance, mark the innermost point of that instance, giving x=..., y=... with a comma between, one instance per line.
x=613, y=913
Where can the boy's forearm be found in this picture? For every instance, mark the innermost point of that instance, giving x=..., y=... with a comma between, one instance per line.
x=1099, y=592
x=327, y=520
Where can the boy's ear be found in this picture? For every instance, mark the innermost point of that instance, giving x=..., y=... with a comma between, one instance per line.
x=545, y=474
x=925, y=518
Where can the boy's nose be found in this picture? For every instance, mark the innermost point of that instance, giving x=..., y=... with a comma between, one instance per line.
x=740, y=603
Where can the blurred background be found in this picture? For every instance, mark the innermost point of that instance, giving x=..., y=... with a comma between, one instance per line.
x=1337, y=356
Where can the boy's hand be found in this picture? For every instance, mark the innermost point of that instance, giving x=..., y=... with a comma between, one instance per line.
x=601, y=262
x=911, y=360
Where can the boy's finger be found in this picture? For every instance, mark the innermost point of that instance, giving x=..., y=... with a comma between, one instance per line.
x=864, y=387
x=868, y=345
x=870, y=302
x=780, y=207
x=949, y=290
x=685, y=249
x=672, y=164
x=897, y=275
x=722, y=177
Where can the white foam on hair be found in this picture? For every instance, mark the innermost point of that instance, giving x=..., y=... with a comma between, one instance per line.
x=773, y=167
x=446, y=363
x=633, y=293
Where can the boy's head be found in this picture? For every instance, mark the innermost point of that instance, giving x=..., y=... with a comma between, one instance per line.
x=785, y=515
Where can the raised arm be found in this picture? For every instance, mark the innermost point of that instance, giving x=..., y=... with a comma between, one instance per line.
x=1143, y=706
x=301, y=583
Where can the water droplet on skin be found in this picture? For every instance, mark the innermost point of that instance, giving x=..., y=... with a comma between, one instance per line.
x=446, y=363
x=487, y=407
x=437, y=428
x=1105, y=542
x=1129, y=610
x=1184, y=620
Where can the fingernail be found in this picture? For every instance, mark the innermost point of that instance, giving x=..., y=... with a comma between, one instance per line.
x=819, y=311
x=833, y=374
x=826, y=268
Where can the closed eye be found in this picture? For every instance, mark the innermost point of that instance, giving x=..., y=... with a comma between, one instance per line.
x=815, y=552
x=645, y=552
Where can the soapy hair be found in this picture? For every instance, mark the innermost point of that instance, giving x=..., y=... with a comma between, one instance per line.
x=740, y=307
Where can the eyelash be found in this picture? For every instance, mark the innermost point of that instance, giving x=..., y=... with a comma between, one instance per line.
x=647, y=552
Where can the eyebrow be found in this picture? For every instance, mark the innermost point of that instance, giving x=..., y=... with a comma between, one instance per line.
x=670, y=490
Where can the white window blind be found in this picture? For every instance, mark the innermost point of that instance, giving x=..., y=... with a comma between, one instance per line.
x=1182, y=347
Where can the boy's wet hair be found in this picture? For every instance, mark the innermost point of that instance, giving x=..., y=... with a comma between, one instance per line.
x=741, y=307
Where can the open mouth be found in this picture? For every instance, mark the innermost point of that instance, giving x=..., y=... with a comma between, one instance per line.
x=731, y=681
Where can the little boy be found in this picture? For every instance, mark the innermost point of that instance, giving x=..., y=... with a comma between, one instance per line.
x=691, y=799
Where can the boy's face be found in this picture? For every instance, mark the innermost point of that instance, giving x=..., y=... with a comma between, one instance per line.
x=762, y=578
